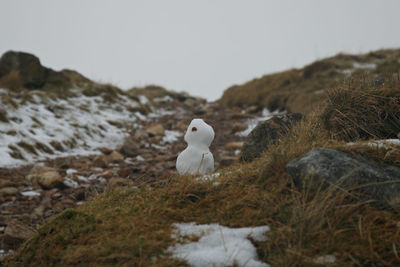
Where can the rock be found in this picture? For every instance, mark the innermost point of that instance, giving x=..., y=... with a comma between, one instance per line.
x=238, y=127
x=16, y=232
x=106, y=150
x=115, y=157
x=232, y=146
x=357, y=174
x=155, y=130
x=101, y=161
x=8, y=191
x=31, y=73
x=46, y=177
x=266, y=133
x=130, y=147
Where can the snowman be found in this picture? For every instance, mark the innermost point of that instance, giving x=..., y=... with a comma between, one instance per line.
x=197, y=158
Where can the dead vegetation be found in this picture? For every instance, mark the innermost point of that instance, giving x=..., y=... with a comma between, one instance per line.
x=132, y=226
x=301, y=90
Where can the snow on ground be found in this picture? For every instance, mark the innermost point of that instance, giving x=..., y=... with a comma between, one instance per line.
x=379, y=143
x=252, y=123
x=217, y=245
x=63, y=127
x=30, y=193
x=170, y=136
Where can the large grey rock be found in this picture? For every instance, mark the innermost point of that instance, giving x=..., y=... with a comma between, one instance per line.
x=266, y=133
x=32, y=74
x=361, y=176
x=45, y=177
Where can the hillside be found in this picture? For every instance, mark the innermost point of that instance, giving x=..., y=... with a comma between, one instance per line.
x=299, y=90
x=323, y=191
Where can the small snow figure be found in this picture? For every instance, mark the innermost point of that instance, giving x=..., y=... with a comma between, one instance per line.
x=197, y=158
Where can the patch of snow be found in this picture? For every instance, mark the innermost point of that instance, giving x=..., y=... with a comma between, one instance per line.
x=82, y=178
x=237, y=152
x=347, y=72
x=359, y=65
x=98, y=169
x=157, y=147
x=143, y=99
x=140, y=116
x=170, y=136
x=252, y=123
x=326, y=259
x=209, y=177
x=217, y=245
x=3, y=91
x=4, y=253
x=70, y=183
x=30, y=193
x=80, y=125
x=71, y=171
x=139, y=158
x=164, y=99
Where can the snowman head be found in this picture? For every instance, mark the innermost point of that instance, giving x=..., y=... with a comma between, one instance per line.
x=199, y=133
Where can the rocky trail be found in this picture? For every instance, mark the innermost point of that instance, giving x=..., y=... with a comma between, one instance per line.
x=32, y=194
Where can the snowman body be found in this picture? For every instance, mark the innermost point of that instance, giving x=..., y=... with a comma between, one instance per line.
x=197, y=157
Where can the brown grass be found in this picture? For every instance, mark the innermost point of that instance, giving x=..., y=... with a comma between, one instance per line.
x=132, y=226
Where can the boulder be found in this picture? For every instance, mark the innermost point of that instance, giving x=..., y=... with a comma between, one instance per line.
x=266, y=133
x=357, y=174
x=46, y=177
x=31, y=73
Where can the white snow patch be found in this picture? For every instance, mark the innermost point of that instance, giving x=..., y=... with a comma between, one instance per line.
x=209, y=177
x=82, y=178
x=326, y=259
x=3, y=91
x=359, y=65
x=218, y=245
x=4, y=253
x=70, y=183
x=139, y=158
x=170, y=136
x=79, y=124
x=30, y=193
x=237, y=152
x=71, y=171
x=164, y=99
x=252, y=123
x=143, y=99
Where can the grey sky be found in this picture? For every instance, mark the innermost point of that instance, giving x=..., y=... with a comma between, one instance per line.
x=202, y=46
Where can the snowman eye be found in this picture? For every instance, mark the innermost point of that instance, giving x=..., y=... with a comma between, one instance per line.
x=194, y=129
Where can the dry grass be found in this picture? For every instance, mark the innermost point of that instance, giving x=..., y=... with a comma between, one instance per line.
x=362, y=109
x=132, y=226
x=300, y=90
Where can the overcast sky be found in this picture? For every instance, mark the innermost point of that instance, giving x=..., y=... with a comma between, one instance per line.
x=202, y=46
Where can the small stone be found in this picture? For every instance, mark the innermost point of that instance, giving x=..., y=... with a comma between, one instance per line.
x=155, y=130
x=232, y=146
x=115, y=157
x=8, y=191
x=46, y=177
x=16, y=232
x=238, y=127
x=101, y=161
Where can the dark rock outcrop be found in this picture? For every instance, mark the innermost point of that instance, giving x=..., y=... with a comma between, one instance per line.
x=359, y=175
x=27, y=71
x=266, y=133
